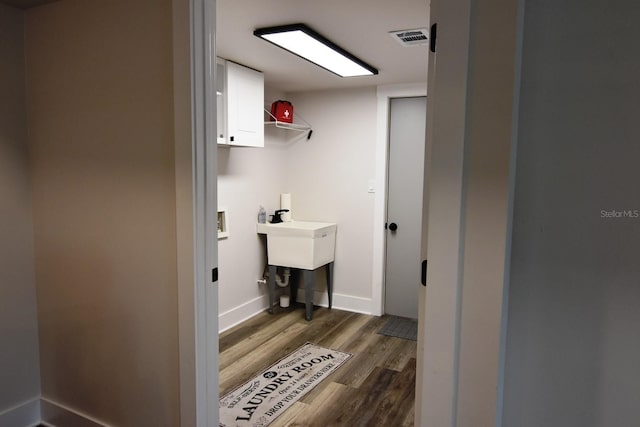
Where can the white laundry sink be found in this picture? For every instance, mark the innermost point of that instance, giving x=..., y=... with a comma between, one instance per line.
x=300, y=244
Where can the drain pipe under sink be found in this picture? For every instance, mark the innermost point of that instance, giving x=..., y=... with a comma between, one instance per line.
x=286, y=274
x=281, y=282
x=284, y=282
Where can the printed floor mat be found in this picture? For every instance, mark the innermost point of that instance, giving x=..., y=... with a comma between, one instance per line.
x=400, y=327
x=263, y=398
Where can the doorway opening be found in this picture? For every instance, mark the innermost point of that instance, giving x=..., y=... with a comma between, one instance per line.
x=386, y=94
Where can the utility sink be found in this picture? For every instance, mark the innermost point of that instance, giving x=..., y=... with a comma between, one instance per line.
x=300, y=244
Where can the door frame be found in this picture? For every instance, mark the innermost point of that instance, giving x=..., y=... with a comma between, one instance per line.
x=437, y=371
x=459, y=357
x=385, y=94
x=199, y=350
x=443, y=233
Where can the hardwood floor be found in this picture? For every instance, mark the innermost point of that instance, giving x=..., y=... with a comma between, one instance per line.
x=376, y=387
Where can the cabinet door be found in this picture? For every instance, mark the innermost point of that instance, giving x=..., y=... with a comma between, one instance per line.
x=221, y=99
x=245, y=106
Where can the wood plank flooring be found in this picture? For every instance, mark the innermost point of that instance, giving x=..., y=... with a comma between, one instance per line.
x=376, y=387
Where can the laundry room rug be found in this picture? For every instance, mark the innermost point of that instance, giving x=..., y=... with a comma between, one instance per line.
x=263, y=398
x=400, y=327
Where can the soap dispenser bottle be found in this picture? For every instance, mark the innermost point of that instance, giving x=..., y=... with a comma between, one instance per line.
x=262, y=215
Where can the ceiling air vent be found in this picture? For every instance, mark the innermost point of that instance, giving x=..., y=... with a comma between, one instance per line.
x=411, y=37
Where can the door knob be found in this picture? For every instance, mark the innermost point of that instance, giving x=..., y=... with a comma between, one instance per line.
x=393, y=226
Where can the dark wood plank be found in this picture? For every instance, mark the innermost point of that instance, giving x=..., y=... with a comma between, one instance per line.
x=359, y=408
x=397, y=400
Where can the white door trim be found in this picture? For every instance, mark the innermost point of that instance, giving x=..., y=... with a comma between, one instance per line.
x=384, y=93
x=203, y=20
x=439, y=323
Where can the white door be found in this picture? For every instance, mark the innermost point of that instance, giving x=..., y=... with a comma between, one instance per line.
x=404, y=206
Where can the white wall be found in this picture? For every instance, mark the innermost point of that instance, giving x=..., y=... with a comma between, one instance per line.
x=573, y=342
x=327, y=176
x=247, y=178
x=19, y=361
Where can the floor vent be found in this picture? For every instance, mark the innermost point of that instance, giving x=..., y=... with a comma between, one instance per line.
x=411, y=37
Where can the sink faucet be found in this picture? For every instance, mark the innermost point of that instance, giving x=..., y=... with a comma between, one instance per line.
x=276, y=218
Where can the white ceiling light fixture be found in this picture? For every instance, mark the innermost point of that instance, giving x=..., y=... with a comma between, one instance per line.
x=307, y=44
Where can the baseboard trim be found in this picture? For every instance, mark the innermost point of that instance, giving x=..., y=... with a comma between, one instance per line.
x=54, y=414
x=25, y=414
x=340, y=301
x=239, y=314
x=351, y=303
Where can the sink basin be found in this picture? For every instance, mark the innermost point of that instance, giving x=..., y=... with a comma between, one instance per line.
x=300, y=244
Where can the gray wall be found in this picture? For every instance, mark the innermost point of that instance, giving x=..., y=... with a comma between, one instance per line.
x=492, y=48
x=573, y=340
x=102, y=148
x=19, y=366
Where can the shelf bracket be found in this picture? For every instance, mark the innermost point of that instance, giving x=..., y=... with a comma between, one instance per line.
x=299, y=127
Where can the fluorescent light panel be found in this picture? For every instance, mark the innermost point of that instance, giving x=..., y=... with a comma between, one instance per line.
x=304, y=42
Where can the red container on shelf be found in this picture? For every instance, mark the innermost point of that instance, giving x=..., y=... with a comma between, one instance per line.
x=282, y=111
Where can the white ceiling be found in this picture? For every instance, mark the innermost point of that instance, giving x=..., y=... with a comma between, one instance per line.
x=359, y=26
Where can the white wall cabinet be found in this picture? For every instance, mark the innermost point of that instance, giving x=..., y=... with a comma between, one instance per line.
x=240, y=98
